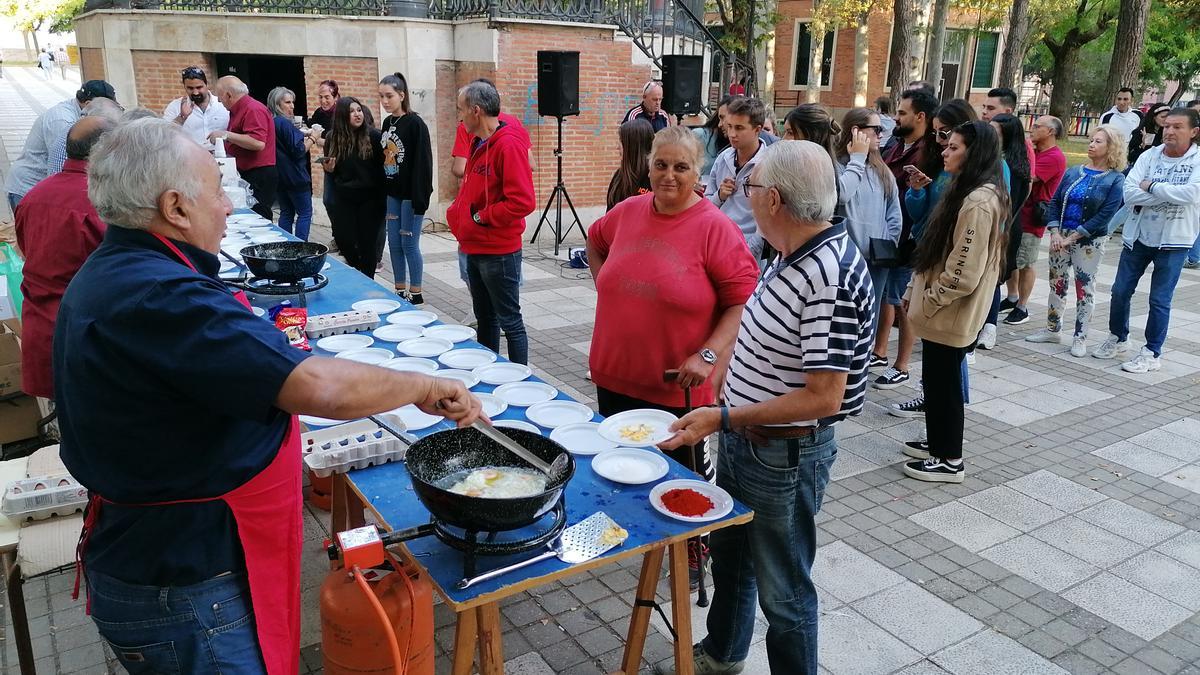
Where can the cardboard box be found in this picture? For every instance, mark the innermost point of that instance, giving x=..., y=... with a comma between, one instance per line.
x=18, y=419
x=10, y=361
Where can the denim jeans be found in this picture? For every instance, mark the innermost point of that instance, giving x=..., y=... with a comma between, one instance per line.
x=771, y=557
x=13, y=200
x=879, y=283
x=203, y=628
x=295, y=211
x=495, y=282
x=1193, y=255
x=404, y=242
x=1168, y=263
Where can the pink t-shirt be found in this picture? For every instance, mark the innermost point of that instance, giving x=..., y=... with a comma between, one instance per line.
x=664, y=283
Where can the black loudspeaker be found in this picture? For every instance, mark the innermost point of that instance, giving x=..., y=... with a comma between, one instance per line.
x=558, y=83
x=682, y=84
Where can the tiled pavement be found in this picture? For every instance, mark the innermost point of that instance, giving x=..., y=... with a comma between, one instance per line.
x=1073, y=546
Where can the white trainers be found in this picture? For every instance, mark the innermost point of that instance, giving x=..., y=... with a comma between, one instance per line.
x=987, y=337
x=1144, y=362
x=970, y=358
x=1112, y=348
x=1046, y=336
x=1079, y=347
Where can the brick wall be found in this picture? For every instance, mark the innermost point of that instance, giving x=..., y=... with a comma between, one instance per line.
x=158, y=75
x=91, y=63
x=357, y=77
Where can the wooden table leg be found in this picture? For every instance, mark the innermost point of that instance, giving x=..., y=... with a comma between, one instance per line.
x=491, y=640
x=681, y=609
x=464, y=642
x=639, y=623
x=346, y=511
x=16, y=608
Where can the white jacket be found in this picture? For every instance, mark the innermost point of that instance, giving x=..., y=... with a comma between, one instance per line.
x=1173, y=200
x=1125, y=121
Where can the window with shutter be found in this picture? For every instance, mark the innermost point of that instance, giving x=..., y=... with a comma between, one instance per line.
x=985, y=61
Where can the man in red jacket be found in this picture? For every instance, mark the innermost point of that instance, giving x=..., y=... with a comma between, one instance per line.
x=488, y=218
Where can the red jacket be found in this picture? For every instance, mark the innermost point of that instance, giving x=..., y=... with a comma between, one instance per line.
x=498, y=185
x=57, y=229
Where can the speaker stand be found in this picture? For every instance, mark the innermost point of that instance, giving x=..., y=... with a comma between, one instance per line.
x=556, y=200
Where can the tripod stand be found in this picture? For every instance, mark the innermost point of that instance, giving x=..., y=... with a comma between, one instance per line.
x=556, y=200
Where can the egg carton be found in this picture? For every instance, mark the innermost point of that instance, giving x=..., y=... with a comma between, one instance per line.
x=355, y=445
x=41, y=497
x=338, y=323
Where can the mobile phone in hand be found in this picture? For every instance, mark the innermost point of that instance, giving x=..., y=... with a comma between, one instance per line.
x=910, y=169
x=322, y=159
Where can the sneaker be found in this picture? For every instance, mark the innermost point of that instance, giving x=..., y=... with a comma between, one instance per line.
x=705, y=664
x=1017, y=317
x=1191, y=265
x=1144, y=362
x=934, y=470
x=1007, y=304
x=917, y=449
x=911, y=408
x=987, y=337
x=971, y=358
x=1079, y=347
x=1046, y=336
x=877, y=361
x=1112, y=348
x=416, y=298
x=890, y=379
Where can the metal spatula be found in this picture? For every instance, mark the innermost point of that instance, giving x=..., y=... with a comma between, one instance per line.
x=578, y=543
x=553, y=471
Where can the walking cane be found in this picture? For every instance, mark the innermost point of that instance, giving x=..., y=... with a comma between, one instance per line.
x=696, y=464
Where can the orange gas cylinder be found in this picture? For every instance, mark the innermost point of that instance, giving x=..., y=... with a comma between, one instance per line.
x=352, y=634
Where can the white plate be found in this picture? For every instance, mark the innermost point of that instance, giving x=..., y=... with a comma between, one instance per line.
x=525, y=394
x=227, y=266
x=517, y=424
x=465, y=376
x=267, y=238
x=502, y=372
x=582, y=438
x=372, y=355
x=380, y=306
x=722, y=502
x=657, y=420
x=424, y=347
x=411, y=364
x=414, y=419
x=466, y=359
x=396, y=333
x=630, y=466
x=258, y=311
x=313, y=421
x=451, y=332
x=413, y=317
x=325, y=267
x=553, y=414
x=345, y=343
x=492, y=405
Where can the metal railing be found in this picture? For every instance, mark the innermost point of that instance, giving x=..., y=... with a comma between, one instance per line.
x=589, y=11
x=326, y=7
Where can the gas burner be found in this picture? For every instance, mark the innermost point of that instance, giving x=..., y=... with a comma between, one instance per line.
x=261, y=286
x=474, y=543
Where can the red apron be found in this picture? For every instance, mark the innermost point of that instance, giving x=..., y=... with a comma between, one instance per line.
x=267, y=510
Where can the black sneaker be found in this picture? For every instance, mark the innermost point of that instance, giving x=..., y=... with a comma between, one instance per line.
x=416, y=298
x=1017, y=317
x=911, y=408
x=934, y=470
x=877, y=361
x=917, y=449
x=890, y=379
x=1007, y=304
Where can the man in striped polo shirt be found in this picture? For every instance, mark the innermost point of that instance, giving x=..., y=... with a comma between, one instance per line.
x=799, y=367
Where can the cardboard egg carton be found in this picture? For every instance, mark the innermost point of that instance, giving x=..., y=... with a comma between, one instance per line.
x=354, y=321
x=41, y=497
x=350, y=446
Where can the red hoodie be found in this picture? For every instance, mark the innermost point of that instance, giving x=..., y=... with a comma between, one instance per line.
x=498, y=184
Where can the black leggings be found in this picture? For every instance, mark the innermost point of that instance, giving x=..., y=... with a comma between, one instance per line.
x=356, y=218
x=941, y=376
x=611, y=403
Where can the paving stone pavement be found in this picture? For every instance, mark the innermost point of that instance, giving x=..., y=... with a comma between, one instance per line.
x=1073, y=546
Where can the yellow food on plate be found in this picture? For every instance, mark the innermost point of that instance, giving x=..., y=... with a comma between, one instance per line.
x=636, y=432
x=614, y=535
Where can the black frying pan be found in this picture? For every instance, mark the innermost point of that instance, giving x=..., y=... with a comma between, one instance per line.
x=285, y=261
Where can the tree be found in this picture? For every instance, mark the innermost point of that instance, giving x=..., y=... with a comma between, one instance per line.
x=746, y=25
x=30, y=16
x=1128, y=46
x=1172, y=48
x=900, y=54
x=1090, y=20
x=937, y=44
x=850, y=14
x=1015, y=45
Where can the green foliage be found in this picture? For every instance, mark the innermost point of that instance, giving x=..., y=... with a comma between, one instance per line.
x=64, y=19
x=32, y=15
x=1172, y=45
x=735, y=23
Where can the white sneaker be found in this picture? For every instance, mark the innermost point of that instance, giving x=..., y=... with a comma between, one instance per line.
x=1079, y=347
x=970, y=358
x=1046, y=336
x=987, y=337
x=1112, y=348
x=1144, y=362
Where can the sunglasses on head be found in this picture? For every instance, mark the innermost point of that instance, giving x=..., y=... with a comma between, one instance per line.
x=193, y=73
x=944, y=134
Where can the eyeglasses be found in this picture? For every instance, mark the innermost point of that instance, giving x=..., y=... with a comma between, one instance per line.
x=944, y=134
x=877, y=128
x=747, y=185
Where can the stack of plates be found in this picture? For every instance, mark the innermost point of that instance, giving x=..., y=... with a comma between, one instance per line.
x=465, y=376
x=466, y=359
x=450, y=332
x=423, y=347
x=411, y=364
x=553, y=414
x=581, y=438
x=413, y=317
x=380, y=306
x=345, y=343
x=372, y=355
x=525, y=394
x=502, y=372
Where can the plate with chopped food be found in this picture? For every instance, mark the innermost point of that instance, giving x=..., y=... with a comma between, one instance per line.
x=693, y=501
x=639, y=428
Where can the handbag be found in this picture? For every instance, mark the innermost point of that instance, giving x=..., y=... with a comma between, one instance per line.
x=883, y=253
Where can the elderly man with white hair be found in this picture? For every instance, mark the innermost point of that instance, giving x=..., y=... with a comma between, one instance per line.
x=650, y=109
x=177, y=408
x=799, y=366
x=250, y=140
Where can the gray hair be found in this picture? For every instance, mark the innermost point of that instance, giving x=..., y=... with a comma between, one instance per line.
x=803, y=175
x=137, y=113
x=682, y=136
x=134, y=164
x=1056, y=126
x=276, y=97
x=233, y=85
x=103, y=107
x=483, y=95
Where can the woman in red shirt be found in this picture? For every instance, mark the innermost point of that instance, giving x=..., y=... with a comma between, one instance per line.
x=672, y=273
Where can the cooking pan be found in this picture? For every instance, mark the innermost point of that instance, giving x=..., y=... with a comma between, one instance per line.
x=285, y=261
x=439, y=455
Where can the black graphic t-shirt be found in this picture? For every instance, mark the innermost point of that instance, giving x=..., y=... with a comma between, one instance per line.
x=407, y=159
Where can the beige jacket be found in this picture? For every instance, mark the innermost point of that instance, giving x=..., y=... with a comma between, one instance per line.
x=949, y=305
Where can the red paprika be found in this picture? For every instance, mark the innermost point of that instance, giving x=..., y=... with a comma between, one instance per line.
x=686, y=502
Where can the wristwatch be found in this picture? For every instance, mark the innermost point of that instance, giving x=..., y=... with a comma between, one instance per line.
x=709, y=356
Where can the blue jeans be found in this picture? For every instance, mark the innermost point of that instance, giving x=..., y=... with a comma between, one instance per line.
x=879, y=283
x=404, y=242
x=495, y=282
x=1193, y=255
x=203, y=628
x=295, y=206
x=771, y=557
x=13, y=200
x=1168, y=263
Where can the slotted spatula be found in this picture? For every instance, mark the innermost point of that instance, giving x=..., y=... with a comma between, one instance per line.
x=578, y=543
